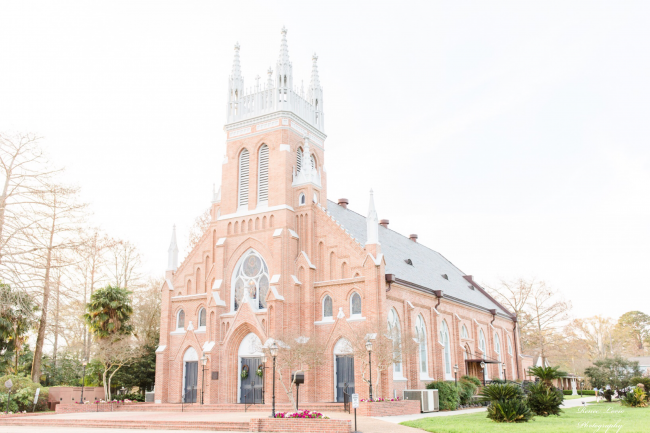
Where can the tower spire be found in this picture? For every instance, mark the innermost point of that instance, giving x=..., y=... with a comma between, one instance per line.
x=235, y=86
x=315, y=81
x=172, y=253
x=283, y=59
x=315, y=96
x=284, y=73
x=372, y=223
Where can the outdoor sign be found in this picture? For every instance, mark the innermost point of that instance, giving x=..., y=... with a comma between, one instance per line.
x=38, y=391
x=355, y=401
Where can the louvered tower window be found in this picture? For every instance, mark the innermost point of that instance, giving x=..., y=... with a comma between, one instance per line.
x=299, y=160
x=263, y=176
x=313, y=162
x=243, y=178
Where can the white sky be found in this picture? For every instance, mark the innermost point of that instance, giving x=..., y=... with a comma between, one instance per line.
x=510, y=136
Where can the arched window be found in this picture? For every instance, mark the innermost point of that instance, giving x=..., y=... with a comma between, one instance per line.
x=263, y=176
x=332, y=266
x=327, y=308
x=395, y=335
x=180, y=320
x=313, y=162
x=299, y=160
x=243, y=178
x=444, y=339
x=250, y=280
x=202, y=319
x=483, y=347
x=301, y=199
x=509, y=346
x=463, y=332
x=421, y=332
x=355, y=305
x=497, y=349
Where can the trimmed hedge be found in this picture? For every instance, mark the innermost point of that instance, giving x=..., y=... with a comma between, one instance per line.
x=448, y=394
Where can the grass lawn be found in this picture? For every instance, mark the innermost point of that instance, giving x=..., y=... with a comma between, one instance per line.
x=577, y=419
x=573, y=397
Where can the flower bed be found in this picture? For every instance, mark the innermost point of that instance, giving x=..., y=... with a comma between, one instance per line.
x=303, y=414
x=389, y=407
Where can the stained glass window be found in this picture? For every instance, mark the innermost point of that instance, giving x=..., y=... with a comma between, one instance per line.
x=251, y=280
x=202, y=318
x=355, y=304
x=180, y=321
x=327, y=307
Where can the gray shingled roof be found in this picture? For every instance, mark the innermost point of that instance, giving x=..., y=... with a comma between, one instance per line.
x=428, y=265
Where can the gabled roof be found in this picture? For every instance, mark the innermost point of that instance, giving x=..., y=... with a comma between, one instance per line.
x=428, y=266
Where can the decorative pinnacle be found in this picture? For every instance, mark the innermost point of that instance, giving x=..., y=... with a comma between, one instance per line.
x=284, y=49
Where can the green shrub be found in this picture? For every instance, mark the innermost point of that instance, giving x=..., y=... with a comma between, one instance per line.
x=498, y=381
x=644, y=380
x=466, y=391
x=635, y=398
x=134, y=396
x=544, y=400
x=22, y=393
x=509, y=411
x=501, y=392
x=608, y=394
x=473, y=379
x=448, y=395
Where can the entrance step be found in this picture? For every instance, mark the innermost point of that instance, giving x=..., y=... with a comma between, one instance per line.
x=228, y=407
x=148, y=425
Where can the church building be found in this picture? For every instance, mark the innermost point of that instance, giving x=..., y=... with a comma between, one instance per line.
x=279, y=258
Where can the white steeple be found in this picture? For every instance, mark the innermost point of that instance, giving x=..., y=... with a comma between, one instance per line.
x=172, y=253
x=284, y=72
x=315, y=96
x=235, y=86
x=372, y=223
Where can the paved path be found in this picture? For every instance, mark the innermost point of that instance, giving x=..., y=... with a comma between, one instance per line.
x=401, y=418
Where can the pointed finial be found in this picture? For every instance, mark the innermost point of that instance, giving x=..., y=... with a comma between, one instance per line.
x=172, y=252
x=372, y=222
x=284, y=49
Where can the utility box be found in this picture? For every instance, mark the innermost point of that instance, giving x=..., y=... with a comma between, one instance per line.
x=298, y=378
x=428, y=398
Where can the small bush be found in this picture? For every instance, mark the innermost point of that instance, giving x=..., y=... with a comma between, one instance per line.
x=501, y=392
x=473, y=379
x=448, y=395
x=635, y=398
x=466, y=391
x=133, y=396
x=644, y=380
x=22, y=393
x=544, y=400
x=509, y=411
x=608, y=394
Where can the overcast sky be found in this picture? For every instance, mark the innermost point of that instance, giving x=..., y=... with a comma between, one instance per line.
x=512, y=137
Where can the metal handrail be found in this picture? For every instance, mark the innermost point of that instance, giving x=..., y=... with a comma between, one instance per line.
x=346, y=399
x=246, y=405
x=183, y=398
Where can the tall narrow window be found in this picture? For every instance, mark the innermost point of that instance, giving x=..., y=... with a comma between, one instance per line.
x=395, y=335
x=313, y=162
x=497, y=349
x=327, y=308
x=202, y=319
x=180, y=320
x=482, y=346
x=243, y=178
x=355, y=305
x=299, y=160
x=421, y=332
x=463, y=332
x=263, y=176
x=444, y=339
x=509, y=346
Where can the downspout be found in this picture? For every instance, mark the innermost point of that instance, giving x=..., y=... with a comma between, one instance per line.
x=514, y=336
x=438, y=294
x=494, y=316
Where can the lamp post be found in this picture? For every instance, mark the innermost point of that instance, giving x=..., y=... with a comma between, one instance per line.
x=274, y=354
x=83, y=383
x=483, y=370
x=504, y=372
x=204, y=361
x=263, y=367
x=456, y=374
x=369, y=347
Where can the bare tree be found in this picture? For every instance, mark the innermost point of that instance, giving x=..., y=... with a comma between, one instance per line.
x=297, y=354
x=56, y=229
x=146, y=312
x=387, y=350
x=197, y=230
x=124, y=265
x=114, y=353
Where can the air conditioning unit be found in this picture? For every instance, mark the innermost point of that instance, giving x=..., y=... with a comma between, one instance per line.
x=428, y=398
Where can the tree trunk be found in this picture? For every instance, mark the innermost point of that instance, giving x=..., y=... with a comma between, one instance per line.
x=56, y=320
x=106, y=389
x=40, y=339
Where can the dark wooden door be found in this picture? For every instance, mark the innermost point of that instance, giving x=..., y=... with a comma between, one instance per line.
x=344, y=376
x=252, y=387
x=191, y=381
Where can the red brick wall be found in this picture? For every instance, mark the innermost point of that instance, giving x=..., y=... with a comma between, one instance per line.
x=389, y=408
x=300, y=425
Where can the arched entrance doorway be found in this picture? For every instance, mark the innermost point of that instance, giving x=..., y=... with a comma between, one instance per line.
x=343, y=369
x=251, y=386
x=190, y=375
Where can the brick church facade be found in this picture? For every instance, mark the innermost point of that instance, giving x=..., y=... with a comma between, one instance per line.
x=278, y=258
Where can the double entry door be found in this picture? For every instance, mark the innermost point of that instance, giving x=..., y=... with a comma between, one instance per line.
x=344, y=376
x=191, y=381
x=252, y=386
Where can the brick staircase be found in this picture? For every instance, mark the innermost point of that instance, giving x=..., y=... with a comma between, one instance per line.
x=242, y=426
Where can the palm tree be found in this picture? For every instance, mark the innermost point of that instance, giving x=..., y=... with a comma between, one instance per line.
x=547, y=374
x=109, y=312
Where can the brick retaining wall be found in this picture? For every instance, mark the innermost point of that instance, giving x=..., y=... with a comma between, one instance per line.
x=300, y=425
x=389, y=408
x=89, y=407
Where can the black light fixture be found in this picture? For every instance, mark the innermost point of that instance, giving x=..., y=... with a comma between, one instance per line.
x=369, y=348
x=83, y=382
x=204, y=361
x=274, y=353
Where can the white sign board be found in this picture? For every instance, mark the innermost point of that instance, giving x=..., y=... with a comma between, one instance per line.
x=38, y=391
x=355, y=401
